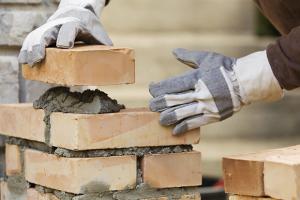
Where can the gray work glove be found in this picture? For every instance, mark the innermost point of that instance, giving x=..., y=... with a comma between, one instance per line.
x=75, y=20
x=217, y=88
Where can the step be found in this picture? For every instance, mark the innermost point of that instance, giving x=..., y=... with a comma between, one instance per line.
x=84, y=65
x=128, y=128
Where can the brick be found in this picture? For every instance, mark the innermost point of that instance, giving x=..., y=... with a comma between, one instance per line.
x=22, y=121
x=80, y=175
x=236, y=197
x=84, y=65
x=13, y=162
x=129, y=128
x=172, y=170
x=33, y=194
x=244, y=174
x=281, y=176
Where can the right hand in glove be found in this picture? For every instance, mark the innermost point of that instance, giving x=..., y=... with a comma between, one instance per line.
x=75, y=20
x=218, y=87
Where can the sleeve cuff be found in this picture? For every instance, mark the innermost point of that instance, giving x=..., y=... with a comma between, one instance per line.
x=256, y=79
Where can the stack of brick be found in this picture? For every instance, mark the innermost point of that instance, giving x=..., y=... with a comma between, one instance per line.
x=125, y=155
x=267, y=175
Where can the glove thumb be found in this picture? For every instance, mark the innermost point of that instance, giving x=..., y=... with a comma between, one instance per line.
x=191, y=58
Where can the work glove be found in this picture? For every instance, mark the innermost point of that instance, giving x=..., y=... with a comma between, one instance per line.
x=214, y=90
x=75, y=20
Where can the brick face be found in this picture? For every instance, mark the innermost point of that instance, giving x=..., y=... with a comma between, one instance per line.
x=13, y=162
x=80, y=175
x=106, y=66
x=115, y=130
x=172, y=170
x=22, y=121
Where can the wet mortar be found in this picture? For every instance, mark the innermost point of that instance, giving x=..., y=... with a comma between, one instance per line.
x=61, y=99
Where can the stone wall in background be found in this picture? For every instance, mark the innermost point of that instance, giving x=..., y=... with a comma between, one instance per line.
x=17, y=19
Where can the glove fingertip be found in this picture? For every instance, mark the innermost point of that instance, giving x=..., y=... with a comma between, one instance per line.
x=153, y=89
x=22, y=58
x=180, y=129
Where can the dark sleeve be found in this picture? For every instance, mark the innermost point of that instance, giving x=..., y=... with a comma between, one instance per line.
x=284, y=58
x=284, y=55
x=107, y=2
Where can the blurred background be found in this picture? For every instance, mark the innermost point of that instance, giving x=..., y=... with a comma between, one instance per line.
x=153, y=28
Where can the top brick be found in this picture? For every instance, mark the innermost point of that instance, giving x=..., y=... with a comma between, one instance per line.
x=93, y=65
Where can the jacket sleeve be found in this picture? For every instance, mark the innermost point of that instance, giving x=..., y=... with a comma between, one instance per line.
x=284, y=55
x=284, y=58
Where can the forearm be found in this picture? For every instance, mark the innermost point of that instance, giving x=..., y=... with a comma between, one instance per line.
x=285, y=60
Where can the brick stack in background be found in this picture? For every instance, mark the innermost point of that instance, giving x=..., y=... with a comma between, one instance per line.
x=267, y=175
x=118, y=156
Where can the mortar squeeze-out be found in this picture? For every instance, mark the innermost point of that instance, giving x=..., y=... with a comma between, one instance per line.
x=143, y=192
x=61, y=99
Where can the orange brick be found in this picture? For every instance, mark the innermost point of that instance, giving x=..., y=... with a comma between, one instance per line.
x=33, y=194
x=129, y=128
x=84, y=65
x=80, y=175
x=172, y=170
x=22, y=121
x=13, y=163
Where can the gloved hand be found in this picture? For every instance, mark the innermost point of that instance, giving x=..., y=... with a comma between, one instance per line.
x=75, y=20
x=218, y=87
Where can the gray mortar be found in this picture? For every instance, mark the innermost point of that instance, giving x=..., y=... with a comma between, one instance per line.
x=23, y=143
x=17, y=184
x=61, y=99
x=137, y=151
x=143, y=192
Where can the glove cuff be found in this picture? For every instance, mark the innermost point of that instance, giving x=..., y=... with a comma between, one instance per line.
x=95, y=5
x=256, y=79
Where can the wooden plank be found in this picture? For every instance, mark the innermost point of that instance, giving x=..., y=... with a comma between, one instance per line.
x=80, y=175
x=84, y=65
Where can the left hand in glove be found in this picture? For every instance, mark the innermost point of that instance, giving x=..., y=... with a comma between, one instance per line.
x=217, y=88
x=74, y=20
